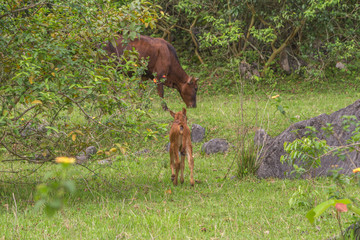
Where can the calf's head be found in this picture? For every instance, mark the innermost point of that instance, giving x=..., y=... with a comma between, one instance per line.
x=179, y=117
x=188, y=92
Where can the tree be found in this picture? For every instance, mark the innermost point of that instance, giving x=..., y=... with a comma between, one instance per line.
x=318, y=32
x=58, y=94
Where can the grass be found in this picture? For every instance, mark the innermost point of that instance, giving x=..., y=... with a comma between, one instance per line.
x=134, y=199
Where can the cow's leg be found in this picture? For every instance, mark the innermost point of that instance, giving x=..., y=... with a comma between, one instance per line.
x=191, y=164
x=160, y=89
x=172, y=160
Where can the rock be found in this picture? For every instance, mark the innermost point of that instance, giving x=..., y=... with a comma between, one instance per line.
x=144, y=151
x=90, y=151
x=32, y=130
x=81, y=159
x=261, y=137
x=215, y=145
x=353, y=231
x=273, y=149
x=42, y=157
x=340, y=65
x=105, y=162
x=197, y=133
x=244, y=67
x=85, y=156
x=248, y=71
x=284, y=61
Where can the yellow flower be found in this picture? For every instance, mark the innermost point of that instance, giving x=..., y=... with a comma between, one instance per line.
x=356, y=170
x=65, y=160
x=273, y=97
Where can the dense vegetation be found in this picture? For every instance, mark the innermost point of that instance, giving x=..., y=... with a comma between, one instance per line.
x=59, y=95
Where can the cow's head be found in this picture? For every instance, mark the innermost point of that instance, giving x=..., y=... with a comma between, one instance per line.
x=188, y=92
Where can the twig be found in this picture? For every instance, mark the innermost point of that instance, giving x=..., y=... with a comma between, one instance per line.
x=22, y=114
x=190, y=30
x=22, y=9
x=104, y=180
x=87, y=115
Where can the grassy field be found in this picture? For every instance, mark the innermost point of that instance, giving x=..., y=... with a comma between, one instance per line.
x=133, y=198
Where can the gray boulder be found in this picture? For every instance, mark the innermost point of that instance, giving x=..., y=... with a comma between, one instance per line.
x=261, y=137
x=90, y=151
x=197, y=133
x=271, y=152
x=83, y=157
x=142, y=152
x=215, y=145
x=105, y=162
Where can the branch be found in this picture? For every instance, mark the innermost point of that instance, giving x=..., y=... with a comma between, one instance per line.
x=276, y=51
x=22, y=9
x=193, y=38
x=250, y=26
x=195, y=42
x=22, y=114
x=13, y=153
x=86, y=114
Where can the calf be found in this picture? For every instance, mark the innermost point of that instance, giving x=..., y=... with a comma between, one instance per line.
x=180, y=140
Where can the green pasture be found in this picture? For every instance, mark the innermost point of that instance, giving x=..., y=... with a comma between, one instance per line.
x=133, y=197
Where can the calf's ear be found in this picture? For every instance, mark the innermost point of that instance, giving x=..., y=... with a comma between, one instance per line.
x=172, y=113
x=184, y=111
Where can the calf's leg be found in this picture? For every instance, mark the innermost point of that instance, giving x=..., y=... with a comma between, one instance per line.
x=182, y=166
x=191, y=165
x=177, y=168
x=172, y=161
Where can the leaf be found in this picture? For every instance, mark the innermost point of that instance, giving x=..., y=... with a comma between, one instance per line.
x=36, y=102
x=79, y=132
x=340, y=207
x=31, y=78
x=73, y=137
x=112, y=150
x=52, y=128
x=69, y=186
x=53, y=74
x=122, y=149
x=39, y=204
x=319, y=209
x=70, y=110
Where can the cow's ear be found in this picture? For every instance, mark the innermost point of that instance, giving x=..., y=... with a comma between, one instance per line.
x=190, y=81
x=172, y=113
x=184, y=111
x=196, y=79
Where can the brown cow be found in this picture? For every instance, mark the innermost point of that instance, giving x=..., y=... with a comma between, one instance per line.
x=180, y=140
x=164, y=62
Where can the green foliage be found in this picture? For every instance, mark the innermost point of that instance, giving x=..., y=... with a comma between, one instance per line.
x=305, y=155
x=53, y=68
x=321, y=208
x=303, y=197
x=308, y=151
x=223, y=34
x=132, y=194
x=248, y=161
x=314, y=35
x=52, y=194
